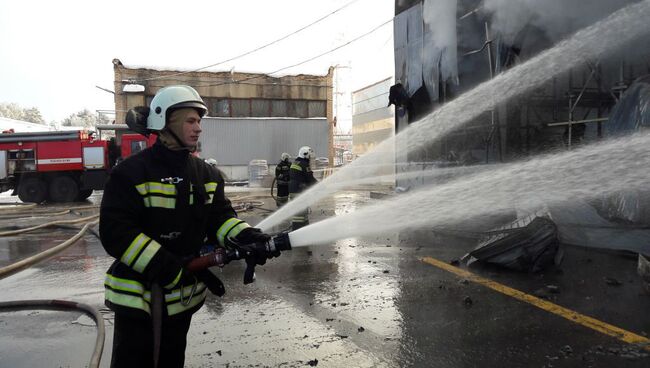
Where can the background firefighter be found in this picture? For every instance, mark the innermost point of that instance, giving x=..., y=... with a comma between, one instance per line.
x=282, y=179
x=301, y=177
x=158, y=207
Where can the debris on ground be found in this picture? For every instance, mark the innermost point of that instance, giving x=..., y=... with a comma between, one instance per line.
x=468, y=301
x=547, y=291
x=528, y=244
x=612, y=281
x=566, y=350
x=313, y=363
x=361, y=329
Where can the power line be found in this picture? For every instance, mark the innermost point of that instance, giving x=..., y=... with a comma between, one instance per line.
x=250, y=83
x=302, y=62
x=370, y=98
x=257, y=48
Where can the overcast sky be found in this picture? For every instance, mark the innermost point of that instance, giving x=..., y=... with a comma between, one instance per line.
x=54, y=53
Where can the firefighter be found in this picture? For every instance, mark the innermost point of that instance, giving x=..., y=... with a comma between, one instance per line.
x=282, y=179
x=157, y=209
x=300, y=178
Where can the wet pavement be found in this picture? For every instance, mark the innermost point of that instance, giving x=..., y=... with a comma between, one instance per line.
x=367, y=302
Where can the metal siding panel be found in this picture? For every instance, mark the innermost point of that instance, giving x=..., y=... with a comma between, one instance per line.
x=238, y=141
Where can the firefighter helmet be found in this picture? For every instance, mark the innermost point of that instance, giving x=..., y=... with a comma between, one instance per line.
x=285, y=156
x=306, y=152
x=173, y=97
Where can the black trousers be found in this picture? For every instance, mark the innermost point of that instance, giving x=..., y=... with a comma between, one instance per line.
x=133, y=342
x=283, y=194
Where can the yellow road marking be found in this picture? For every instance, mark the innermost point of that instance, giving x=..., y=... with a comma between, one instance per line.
x=589, y=322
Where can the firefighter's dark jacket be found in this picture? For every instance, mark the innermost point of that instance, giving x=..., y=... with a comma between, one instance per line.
x=282, y=172
x=301, y=176
x=157, y=209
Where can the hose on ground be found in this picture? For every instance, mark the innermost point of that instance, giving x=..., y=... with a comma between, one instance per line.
x=18, y=206
x=30, y=261
x=34, y=214
x=65, y=305
x=59, y=222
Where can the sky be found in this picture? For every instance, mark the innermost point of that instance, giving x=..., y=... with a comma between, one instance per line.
x=53, y=54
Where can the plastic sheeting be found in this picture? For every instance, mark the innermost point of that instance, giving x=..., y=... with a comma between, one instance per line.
x=580, y=224
x=439, y=60
x=528, y=248
x=632, y=112
x=425, y=46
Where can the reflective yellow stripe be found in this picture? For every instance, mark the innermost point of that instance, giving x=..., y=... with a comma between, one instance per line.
x=178, y=277
x=145, y=257
x=225, y=228
x=176, y=308
x=162, y=202
x=175, y=295
x=210, y=187
x=296, y=167
x=153, y=187
x=131, y=301
x=117, y=283
x=237, y=229
x=134, y=249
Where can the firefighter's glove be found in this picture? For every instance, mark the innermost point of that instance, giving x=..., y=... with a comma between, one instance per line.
x=257, y=254
x=252, y=235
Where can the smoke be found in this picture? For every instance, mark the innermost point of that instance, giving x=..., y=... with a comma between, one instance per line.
x=439, y=19
x=556, y=18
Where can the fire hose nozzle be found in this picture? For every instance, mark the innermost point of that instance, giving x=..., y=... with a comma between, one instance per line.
x=281, y=242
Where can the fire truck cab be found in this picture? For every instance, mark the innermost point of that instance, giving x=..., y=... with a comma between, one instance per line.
x=59, y=166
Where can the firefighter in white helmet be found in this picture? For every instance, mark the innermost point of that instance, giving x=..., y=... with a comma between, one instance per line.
x=282, y=179
x=158, y=207
x=301, y=177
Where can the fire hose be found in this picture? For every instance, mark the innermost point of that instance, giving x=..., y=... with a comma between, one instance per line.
x=64, y=305
x=56, y=304
x=219, y=257
x=250, y=252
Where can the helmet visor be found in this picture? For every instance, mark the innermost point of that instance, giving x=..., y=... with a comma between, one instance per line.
x=203, y=110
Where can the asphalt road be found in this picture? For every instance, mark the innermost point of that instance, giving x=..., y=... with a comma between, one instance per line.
x=366, y=302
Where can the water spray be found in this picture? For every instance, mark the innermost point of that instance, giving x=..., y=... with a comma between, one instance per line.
x=592, y=42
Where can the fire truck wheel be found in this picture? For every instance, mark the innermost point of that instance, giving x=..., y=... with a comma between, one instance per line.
x=84, y=194
x=32, y=190
x=63, y=189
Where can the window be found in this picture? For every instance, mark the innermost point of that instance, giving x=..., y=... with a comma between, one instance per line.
x=241, y=108
x=260, y=108
x=279, y=108
x=221, y=108
x=297, y=109
x=137, y=146
x=316, y=109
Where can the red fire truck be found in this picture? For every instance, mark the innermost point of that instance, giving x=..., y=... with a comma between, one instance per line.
x=60, y=166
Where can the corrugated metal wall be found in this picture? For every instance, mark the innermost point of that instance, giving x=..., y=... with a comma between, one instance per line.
x=233, y=141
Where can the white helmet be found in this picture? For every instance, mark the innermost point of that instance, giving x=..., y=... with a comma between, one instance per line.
x=306, y=152
x=172, y=97
x=285, y=156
